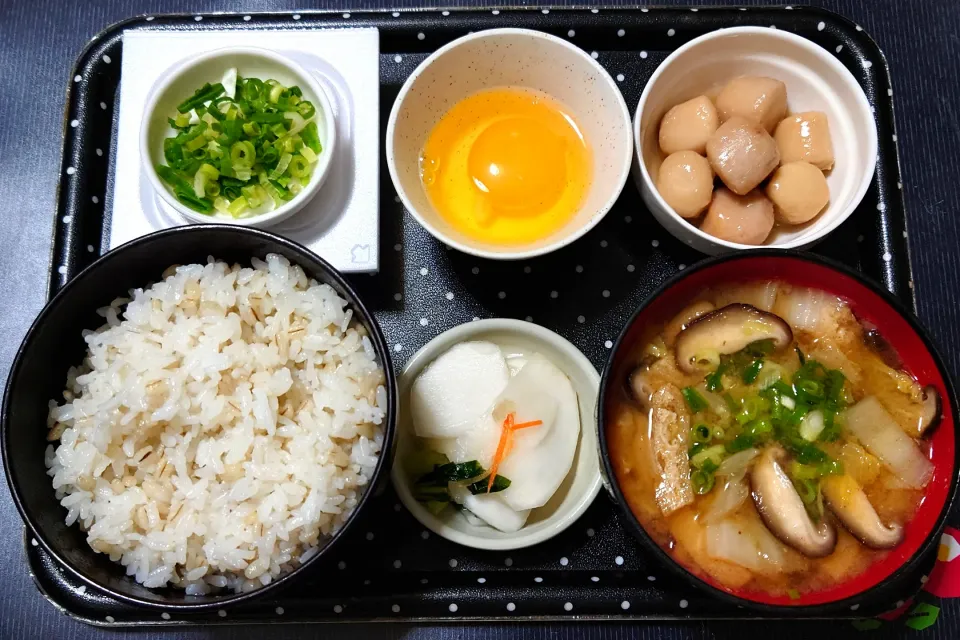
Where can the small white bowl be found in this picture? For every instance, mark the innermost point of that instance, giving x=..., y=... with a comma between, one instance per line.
x=816, y=81
x=181, y=81
x=582, y=483
x=516, y=58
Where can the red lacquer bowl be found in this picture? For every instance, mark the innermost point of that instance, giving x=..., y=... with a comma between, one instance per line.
x=900, y=328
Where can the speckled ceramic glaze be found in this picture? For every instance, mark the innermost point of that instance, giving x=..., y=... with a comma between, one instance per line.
x=517, y=58
x=816, y=81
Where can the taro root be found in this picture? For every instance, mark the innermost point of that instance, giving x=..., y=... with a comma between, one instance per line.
x=727, y=330
x=798, y=191
x=744, y=219
x=760, y=100
x=742, y=154
x=685, y=181
x=805, y=136
x=688, y=126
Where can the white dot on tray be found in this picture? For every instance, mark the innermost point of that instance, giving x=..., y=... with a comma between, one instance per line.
x=621, y=33
x=631, y=268
x=839, y=48
x=107, y=59
x=165, y=615
x=502, y=295
x=446, y=13
x=398, y=58
x=564, y=561
x=594, y=579
x=449, y=295
x=246, y=18
x=453, y=562
x=527, y=269
x=495, y=12
x=867, y=64
x=398, y=297
x=346, y=15
x=858, y=27
x=511, y=606
x=481, y=580
x=618, y=560
x=370, y=535
x=643, y=54
x=74, y=123
x=554, y=294
x=545, y=11
x=398, y=347
x=619, y=77
x=594, y=55
x=396, y=14
x=571, y=33
x=625, y=605
x=198, y=18
x=222, y=613
x=109, y=619
x=453, y=607
x=568, y=606
x=594, y=10
x=397, y=564
x=538, y=579
x=579, y=268
x=890, y=92
x=337, y=608
x=475, y=270
x=62, y=269
x=590, y=533
x=608, y=344
x=296, y=16
x=894, y=137
x=71, y=171
x=654, y=243
x=395, y=608
x=681, y=266
x=887, y=257
x=605, y=293
x=67, y=219
x=77, y=78
x=854, y=607
x=424, y=534
x=671, y=32
x=82, y=590
x=279, y=611
x=424, y=271
x=528, y=318
x=341, y=565
x=103, y=105
x=99, y=152
x=421, y=36
x=881, y=207
x=424, y=322
x=603, y=244
x=821, y=26
x=652, y=578
x=581, y=319
x=94, y=199
x=684, y=604
x=508, y=562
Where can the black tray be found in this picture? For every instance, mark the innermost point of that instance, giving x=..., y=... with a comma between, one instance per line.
x=392, y=569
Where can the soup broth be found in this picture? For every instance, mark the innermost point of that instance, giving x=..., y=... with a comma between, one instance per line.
x=768, y=441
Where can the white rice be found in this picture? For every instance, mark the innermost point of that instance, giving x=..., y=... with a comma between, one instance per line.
x=221, y=425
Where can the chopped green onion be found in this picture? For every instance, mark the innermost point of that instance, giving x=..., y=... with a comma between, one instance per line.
x=499, y=484
x=714, y=454
x=752, y=371
x=702, y=481
x=204, y=94
x=695, y=401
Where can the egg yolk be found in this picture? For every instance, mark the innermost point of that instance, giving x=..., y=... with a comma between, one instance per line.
x=506, y=166
x=518, y=163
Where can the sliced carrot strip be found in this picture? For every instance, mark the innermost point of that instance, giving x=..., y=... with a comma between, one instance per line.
x=524, y=425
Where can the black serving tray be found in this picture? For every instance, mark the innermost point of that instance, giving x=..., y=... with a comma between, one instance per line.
x=392, y=569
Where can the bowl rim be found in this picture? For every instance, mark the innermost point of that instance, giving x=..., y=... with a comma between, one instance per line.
x=426, y=355
x=806, y=239
x=383, y=463
x=173, y=73
x=632, y=523
x=513, y=254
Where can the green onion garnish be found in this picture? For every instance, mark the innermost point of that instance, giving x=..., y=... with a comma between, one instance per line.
x=240, y=155
x=694, y=399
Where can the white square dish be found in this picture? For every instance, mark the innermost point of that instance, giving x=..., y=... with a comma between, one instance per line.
x=340, y=224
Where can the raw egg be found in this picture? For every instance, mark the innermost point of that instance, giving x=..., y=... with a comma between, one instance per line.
x=506, y=166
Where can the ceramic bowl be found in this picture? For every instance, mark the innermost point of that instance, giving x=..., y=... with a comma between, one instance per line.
x=887, y=579
x=179, y=83
x=816, y=81
x=55, y=342
x=515, y=58
x=582, y=483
